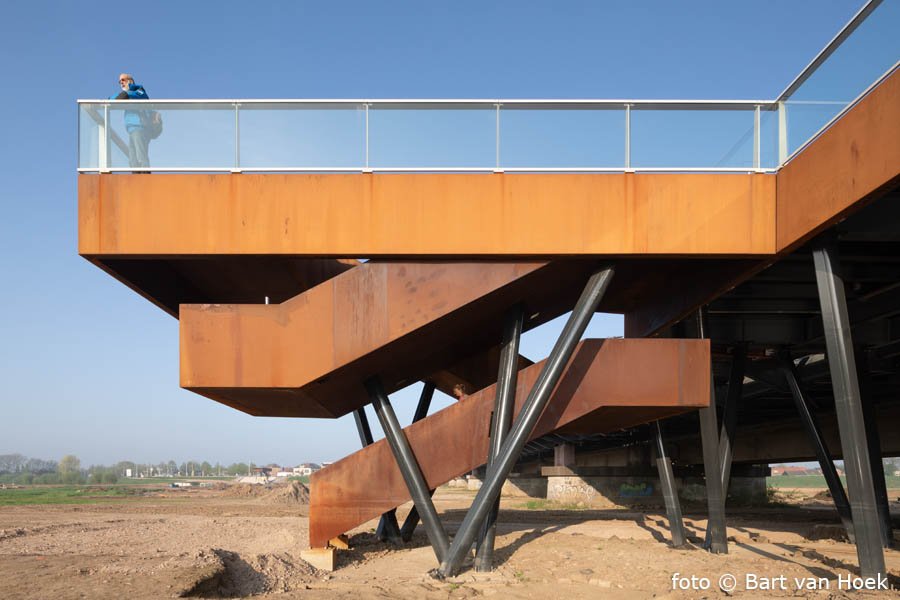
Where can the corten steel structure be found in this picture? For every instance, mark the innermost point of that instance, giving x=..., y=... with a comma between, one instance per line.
x=762, y=251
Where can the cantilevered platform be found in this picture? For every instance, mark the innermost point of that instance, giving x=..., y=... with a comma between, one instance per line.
x=312, y=291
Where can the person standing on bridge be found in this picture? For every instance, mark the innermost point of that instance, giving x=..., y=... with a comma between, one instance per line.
x=138, y=139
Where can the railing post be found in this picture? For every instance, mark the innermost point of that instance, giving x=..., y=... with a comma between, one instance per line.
x=782, y=134
x=367, y=169
x=237, y=139
x=103, y=142
x=627, y=137
x=756, y=138
x=497, y=168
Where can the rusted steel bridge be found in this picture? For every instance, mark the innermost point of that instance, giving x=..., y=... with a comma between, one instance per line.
x=763, y=297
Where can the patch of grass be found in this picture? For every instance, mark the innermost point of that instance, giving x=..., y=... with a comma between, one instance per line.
x=550, y=505
x=520, y=576
x=63, y=494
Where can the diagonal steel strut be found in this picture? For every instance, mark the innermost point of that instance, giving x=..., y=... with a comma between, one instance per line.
x=504, y=402
x=528, y=417
x=409, y=468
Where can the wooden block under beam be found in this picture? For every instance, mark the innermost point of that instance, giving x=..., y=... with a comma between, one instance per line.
x=340, y=542
x=320, y=558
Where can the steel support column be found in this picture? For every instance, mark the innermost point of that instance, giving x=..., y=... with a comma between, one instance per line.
x=874, y=439
x=717, y=541
x=670, y=494
x=388, y=530
x=409, y=468
x=528, y=417
x=851, y=424
x=412, y=519
x=729, y=424
x=810, y=423
x=730, y=414
x=504, y=403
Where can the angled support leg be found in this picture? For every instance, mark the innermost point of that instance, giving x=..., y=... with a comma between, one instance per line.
x=811, y=424
x=712, y=468
x=412, y=519
x=730, y=414
x=670, y=495
x=851, y=422
x=409, y=468
x=388, y=530
x=874, y=439
x=527, y=419
x=729, y=424
x=502, y=420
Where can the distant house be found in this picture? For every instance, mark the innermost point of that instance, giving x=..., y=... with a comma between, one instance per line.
x=306, y=469
x=786, y=470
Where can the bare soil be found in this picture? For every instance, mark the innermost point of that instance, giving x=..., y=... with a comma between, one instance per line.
x=239, y=541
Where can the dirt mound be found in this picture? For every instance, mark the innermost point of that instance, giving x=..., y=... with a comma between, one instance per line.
x=227, y=574
x=244, y=490
x=293, y=493
x=289, y=492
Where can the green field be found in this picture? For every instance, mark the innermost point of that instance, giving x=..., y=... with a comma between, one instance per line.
x=62, y=494
x=817, y=481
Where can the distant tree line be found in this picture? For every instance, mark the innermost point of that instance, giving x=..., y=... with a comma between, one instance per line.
x=19, y=469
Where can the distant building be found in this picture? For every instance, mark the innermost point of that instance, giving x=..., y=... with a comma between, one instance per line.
x=306, y=469
x=786, y=470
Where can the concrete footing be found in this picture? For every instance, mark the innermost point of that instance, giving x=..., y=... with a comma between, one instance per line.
x=613, y=486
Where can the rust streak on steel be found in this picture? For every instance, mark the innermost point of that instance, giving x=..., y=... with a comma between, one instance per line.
x=607, y=386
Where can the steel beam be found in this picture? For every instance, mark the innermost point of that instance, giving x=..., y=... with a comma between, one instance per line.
x=848, y=406
x=388, y=530
x=409, y=468
x=501, y=422
x=528, y=417
x=712, y=468
x=874, y=440
x=810, y=423
x=670, y=494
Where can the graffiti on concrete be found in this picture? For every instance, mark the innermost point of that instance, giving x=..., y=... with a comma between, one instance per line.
x=635, y=490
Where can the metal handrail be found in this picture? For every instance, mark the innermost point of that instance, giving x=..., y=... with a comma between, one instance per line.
x=829, y=48
x=519, y=103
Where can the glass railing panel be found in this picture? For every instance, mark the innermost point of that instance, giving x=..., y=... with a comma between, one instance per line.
x=439, y=136
x=768, y=138
x=90, y=136
x=304, y=136
x=700, y=138
x=562, y=138
x=861, y=59
x=194, y=135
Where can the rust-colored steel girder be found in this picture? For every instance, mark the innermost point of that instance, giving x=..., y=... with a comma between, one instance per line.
x=608, y=385
x=403, y=321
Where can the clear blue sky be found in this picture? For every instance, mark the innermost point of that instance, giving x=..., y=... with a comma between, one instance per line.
x=90, y=368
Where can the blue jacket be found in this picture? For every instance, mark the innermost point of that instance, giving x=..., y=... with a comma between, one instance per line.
x=132, y=117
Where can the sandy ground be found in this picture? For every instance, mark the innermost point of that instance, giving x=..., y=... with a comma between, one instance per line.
x=225, y=543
